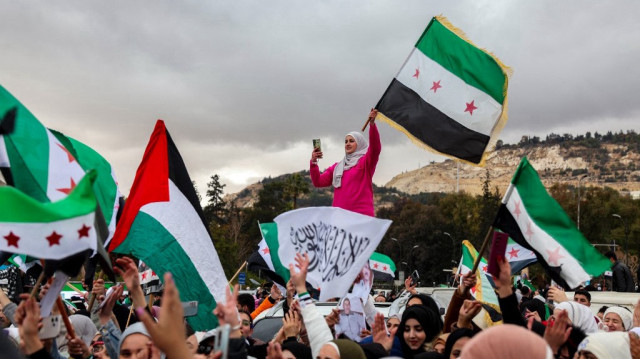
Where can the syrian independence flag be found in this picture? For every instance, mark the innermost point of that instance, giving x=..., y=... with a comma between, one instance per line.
x=266, y=258
x=483, y=291
x=339, y=243
x=383, y=267
x=53, y=230
x=533, y=219
x=163, y=225
x=149, y=280
x=518, y=256
x=449, y=96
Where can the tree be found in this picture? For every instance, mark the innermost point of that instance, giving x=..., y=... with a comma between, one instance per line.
x=215, y=208
x=295, y=185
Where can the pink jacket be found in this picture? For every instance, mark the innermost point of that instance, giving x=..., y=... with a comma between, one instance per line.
x=356, y=192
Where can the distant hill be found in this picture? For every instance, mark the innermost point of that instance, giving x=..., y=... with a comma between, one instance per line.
x=612, y=160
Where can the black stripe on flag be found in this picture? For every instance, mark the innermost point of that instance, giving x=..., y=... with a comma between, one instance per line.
x=426, y=123
x=180, y=177
x=505, y=222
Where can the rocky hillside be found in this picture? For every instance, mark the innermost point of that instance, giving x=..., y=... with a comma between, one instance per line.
x=612, y=165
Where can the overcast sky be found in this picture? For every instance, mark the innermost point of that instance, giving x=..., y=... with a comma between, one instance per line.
x=244, y=86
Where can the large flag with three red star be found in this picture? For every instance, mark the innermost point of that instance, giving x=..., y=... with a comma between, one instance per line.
x=450, y=96
x=533, y=219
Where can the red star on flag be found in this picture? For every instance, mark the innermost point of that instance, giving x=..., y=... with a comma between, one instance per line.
x=473, y=290
x=384, y=268
x=417, y=74
x=517, y=210
x=84, y=231
x=12, y=239
x=513, y=253
x=153, y=274
x=53, y=238
x=266, y=250
x=470, y=107
x=484, y=269
x=69, y=155
x=554, y=256
x=529, y=231
x=68, y=190
x=375, y=265
x=436, y=86
x=144, y=275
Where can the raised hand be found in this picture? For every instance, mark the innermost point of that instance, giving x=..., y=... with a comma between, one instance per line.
x=299, y=277
x=372, y=115
x=274, y=351
x=467, y=281
x=227, y=312
x=558, y=331
x=127, y=268
x=333, y=318
x=503, y=281
x=107, y=308
x=98, y=289
x=469, y=309
x=380, y=334
x=77, y=348
x=558, y=295
x=408, y=287
x=169, y=332
x=28, y=319
x=291, y=324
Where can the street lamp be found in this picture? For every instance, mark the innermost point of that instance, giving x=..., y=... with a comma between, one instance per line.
x=579, y=181
x=626, y=236
x=453, y=248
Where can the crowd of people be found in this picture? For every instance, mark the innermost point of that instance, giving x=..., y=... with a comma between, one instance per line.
x=531, y=326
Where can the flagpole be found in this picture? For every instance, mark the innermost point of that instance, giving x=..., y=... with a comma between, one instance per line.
x=65, y=317
x=92, y=300
x=36, y=286
x=129, y=317
x=482, y=249
x=238, y=272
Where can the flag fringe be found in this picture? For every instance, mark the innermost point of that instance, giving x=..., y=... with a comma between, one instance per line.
x=417, y=142
x=506, y=70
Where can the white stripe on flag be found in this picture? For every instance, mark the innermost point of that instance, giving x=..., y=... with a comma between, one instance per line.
x=452, y=96
x=188, y=230
x=61, y=172
x=544, y=244
x=4, y=157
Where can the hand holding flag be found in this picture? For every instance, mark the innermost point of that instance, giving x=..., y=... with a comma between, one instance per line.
x=299, y=278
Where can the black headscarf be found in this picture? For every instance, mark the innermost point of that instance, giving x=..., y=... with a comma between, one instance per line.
x=533, y=305
x=454, y=337
x=429, y=320
x=299, y=350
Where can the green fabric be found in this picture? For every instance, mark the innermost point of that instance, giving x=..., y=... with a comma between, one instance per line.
x=149, y=241
x=270, y=235
x=379, y=257
x=551, y=218
x=469, y=63
x=28, y=149
x=24, y=209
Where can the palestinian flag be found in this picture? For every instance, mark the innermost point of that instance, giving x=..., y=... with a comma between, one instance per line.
x=449, y=96
x=518, y=256
x=383, y=267
x=483, y=291
x=163, y=225
x=266, y=259
x=536, y=221
x=51, y=231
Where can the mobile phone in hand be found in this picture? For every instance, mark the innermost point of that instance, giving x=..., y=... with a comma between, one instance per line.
x=415, y=278
x=190, y=309
x=316, y=144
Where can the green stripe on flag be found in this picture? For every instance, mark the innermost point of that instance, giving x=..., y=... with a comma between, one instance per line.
x=270, y=235
x=379, y=257
x=478, y=69
x=162, y=250
x=25, y=209
x=551, y=218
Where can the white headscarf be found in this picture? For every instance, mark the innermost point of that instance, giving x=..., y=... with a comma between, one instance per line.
x=625, y=316
x=613, y=345
x=350, y=159
x=580, y=315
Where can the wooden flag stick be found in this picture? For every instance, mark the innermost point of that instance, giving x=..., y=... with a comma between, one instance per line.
x=68, y=284
x=92, y=300
x=36, y=287
x=65, y=317
x=365, y=124
x=129, y=317
x=238, y=272
x=482, y=249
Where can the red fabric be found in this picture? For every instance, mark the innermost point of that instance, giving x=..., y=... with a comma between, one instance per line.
x=150, y=185
x=356, y=192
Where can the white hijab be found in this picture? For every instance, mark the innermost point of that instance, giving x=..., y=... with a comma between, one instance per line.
x=613, y=345
x=580, y=316
x=350, y=160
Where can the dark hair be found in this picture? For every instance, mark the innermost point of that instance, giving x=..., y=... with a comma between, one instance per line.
x=427, y=301
x=583, y=292
x=248, y=300
x=249, y=314
x=611, y=255
x=603, y=309
x=429, y=320
x=454, y=337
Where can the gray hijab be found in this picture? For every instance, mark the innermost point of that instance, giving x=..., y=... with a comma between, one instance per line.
x=350, y=160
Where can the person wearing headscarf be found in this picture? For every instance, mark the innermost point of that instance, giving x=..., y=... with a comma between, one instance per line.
x=604, y=345
x=456, y=341
x=507, y=341
x=618, y=319
x=536, y=306
x=352, y=176
x=440, y=343
x=136, y=339
x=579, y=315
x=420, y=325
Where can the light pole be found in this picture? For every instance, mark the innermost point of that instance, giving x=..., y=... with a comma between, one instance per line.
x=626, y=237
x=453, y=249
x=579, y=182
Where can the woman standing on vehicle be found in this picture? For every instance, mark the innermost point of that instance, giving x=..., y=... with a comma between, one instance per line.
x=352, y=176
